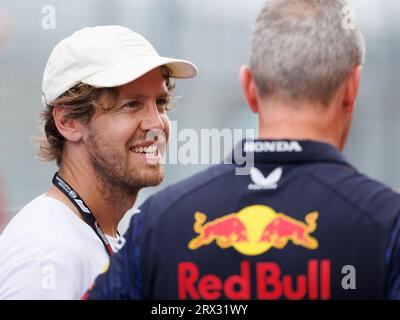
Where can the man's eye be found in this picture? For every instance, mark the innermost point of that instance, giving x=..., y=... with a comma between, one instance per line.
x=133, y=104
x=162, y=102
x=165, y=104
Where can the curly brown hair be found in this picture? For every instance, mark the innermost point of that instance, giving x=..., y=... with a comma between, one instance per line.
x=81, y=102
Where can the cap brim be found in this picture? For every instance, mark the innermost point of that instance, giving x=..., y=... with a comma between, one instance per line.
x=133, y=68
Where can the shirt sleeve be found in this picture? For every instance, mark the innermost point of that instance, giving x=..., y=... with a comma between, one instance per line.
x=123, y=278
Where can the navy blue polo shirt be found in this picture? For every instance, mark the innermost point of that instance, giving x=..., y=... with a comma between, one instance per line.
x=302, y=224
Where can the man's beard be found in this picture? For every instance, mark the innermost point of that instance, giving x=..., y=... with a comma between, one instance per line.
x=114, y=171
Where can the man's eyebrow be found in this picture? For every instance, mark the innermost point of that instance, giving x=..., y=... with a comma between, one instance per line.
x=144, y=97
x=164, y=94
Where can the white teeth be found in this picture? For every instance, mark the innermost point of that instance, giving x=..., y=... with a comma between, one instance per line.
x=150, y=149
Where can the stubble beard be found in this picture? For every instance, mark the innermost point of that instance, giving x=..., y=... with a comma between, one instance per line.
x=114, y=174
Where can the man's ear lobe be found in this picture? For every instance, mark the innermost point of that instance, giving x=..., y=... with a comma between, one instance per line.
x=249, y=88
x=70, y=129
x=351, y=92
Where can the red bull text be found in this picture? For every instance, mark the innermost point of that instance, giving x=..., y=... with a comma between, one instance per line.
x=270, y=283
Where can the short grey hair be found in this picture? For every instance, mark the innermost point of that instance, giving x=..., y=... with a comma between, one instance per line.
x=301, y=50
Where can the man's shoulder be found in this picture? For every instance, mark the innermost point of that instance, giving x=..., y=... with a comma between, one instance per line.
x=205, y=180
x=219, y=187
x=43, y=229
x=356, y=188
x=38, y=216
x=31, y=218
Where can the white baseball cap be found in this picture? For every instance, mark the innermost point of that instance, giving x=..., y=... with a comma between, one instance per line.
x=104, y=56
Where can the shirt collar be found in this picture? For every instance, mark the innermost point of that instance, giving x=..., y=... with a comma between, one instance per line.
x=289, y=151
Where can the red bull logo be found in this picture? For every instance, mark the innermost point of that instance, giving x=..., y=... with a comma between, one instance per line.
x=271, y=283
x=254, y=230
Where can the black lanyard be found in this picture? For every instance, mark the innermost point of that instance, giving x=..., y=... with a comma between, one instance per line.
x=87, y=215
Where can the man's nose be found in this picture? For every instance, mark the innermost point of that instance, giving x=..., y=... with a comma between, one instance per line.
x=151, y=119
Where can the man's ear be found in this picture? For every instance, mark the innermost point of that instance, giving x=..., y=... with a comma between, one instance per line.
x=70, y=129
x=351, y=90
x=249, y=88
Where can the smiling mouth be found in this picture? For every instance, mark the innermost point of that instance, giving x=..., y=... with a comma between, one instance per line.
x=147, y=151
x=153, y=149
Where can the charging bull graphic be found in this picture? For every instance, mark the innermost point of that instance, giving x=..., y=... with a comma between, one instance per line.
x=254, y=230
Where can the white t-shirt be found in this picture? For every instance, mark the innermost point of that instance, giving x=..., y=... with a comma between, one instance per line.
x=47, y=252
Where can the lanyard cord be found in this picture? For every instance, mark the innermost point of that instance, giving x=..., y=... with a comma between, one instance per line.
x=87, y=215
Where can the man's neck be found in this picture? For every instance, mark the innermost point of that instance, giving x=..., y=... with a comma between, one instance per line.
x=286, y=123
x=107, y=205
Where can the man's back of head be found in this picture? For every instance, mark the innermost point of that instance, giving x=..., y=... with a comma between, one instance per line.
x=307, y=58
x=302, y=50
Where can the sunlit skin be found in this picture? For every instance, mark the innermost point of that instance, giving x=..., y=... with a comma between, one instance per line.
x=99, y=159
x=304, y=120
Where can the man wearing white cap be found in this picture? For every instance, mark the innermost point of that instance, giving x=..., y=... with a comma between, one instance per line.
x=106, y=92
